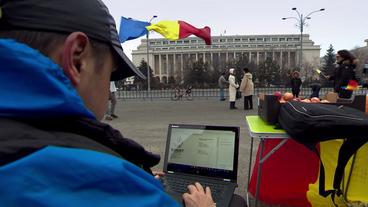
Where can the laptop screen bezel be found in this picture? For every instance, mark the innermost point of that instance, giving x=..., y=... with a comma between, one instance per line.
x=232, y=175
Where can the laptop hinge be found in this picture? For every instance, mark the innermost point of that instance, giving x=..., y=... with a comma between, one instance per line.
x=171, y=172
x=227, y=180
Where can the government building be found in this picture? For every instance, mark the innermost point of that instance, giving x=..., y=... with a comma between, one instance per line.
x=170, y=58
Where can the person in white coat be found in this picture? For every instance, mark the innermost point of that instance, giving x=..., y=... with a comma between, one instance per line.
x=232, y=88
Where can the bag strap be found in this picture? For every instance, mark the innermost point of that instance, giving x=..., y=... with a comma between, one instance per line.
x=347, y=149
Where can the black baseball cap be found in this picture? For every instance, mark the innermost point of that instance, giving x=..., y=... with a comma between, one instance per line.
x=65, y=16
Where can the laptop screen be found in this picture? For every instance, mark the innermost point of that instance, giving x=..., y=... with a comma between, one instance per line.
x=203, y=150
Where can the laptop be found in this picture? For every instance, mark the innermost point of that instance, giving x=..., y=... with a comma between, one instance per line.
x=204, y=154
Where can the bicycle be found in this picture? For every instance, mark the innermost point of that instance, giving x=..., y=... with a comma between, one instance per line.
x=178, y=94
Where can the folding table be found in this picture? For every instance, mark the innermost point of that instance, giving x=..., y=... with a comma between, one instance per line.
x=261, y=130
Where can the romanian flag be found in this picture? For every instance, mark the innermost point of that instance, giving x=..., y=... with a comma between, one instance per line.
x=352, y=85
x=174, y=30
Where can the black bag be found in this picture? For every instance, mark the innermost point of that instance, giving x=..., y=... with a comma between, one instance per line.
x=310, y=123
x=238, y=94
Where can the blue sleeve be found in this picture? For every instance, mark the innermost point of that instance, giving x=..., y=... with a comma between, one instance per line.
x=57, y=176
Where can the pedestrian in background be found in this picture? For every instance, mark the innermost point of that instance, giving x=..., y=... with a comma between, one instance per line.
x=296, y=83
x=232, y=88
x=344, y=72
x=112, y=98
x=247, y=89
x=315, y=86
x=222, y=83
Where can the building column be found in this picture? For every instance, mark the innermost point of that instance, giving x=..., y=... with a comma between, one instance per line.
x=257, y=57
x=174, y=60
x=181, y=67
x=167, y=68
x=281, y=59
x=289, y=59
x=160, y=66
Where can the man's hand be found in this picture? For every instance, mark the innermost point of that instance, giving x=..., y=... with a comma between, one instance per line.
x=158, y=174
x=198, y=197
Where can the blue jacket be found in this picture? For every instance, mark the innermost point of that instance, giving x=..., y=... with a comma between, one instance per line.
x=74, y=161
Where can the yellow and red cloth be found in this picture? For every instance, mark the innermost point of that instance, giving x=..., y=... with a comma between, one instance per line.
x=174, y=30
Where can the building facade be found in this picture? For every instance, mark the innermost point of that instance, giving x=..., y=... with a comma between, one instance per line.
x=170, y=58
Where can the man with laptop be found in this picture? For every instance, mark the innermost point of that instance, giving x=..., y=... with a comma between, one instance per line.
x=56, y=61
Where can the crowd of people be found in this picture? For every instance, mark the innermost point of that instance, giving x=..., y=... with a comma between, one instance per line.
x=344, y=73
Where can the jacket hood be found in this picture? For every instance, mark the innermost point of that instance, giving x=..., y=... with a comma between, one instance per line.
x=248, y=75
x=33, y=86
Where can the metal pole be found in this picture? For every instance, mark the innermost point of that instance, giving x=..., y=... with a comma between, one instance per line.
x=301, y=44
x=301, y=21
x=148, y=70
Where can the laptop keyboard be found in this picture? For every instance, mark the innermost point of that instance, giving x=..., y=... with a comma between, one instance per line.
x=180, y=185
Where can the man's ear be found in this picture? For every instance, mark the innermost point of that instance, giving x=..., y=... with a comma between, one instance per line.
x=75, y=48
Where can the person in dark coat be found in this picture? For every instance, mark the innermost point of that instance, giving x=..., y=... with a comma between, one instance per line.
x=344, y=72
x=296, y=83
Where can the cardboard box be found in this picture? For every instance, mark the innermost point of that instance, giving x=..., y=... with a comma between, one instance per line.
x=331, y=97
x=356, y=101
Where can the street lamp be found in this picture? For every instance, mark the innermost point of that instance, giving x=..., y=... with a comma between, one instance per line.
x=148, y=72
x=301, y=22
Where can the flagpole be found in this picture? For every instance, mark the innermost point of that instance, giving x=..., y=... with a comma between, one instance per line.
x=148, y=71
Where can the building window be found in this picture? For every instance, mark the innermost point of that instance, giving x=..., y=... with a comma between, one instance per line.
x=193, y=41
x=230, y=40
x=259, y=45
x=245, y=39
x=172, y=42
x=266, y=39
x=274, y=39
x=259, y=39
x=152, y=43
x=282, y=39
x=245, y=45
x=237, y=40
x=215, y=40
x=164, y=42
x=252, y=39
x=214, y=46
x=297, y=39
x=222, y=40
x=289, y=39
x=186, y=41
x=237, y=45
x=179, y=42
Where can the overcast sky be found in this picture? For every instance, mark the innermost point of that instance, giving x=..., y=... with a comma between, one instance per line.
x=344, y=24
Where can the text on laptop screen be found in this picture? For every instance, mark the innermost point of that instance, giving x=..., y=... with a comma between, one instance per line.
x=202, y=148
